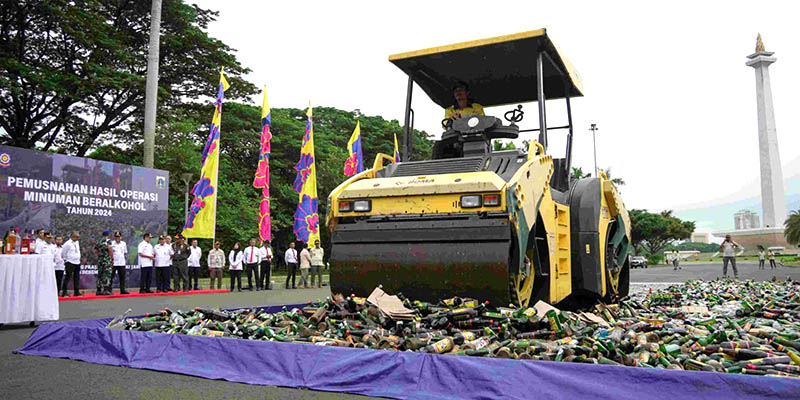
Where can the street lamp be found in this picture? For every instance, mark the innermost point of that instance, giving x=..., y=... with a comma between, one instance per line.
x=186, y=177
x=593, y=128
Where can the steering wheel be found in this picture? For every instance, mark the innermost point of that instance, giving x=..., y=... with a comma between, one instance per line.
x=516, y=114
x=447, y=123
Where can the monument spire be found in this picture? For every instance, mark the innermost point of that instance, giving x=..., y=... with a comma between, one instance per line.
x=773, y=201
x=760, y=45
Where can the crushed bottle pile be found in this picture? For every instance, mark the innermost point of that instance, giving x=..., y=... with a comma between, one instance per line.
x=722, y=326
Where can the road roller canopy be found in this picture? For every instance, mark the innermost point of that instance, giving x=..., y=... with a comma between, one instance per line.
x=499, y=70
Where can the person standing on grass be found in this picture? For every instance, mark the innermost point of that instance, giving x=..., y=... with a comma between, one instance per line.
x=305, y=265
x=120, y=260
x=147, y=256
x=266, y=266
x=251, y=258
x=317, y=255
x=194, y=264
x=291, y=265
x=235, y=260
x=728, y=250
x=216, y=260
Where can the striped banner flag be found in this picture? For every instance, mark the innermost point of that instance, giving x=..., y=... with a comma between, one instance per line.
x=262, y=173
x=306, y=218
x=202, y=218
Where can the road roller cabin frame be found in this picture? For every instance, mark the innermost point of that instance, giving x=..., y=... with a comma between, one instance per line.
x=508, y=226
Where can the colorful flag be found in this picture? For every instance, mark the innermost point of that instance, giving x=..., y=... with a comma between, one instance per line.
x=355, y=163
x=202, y=218
x=262, y=173
x=306, y=218
x=396, y=150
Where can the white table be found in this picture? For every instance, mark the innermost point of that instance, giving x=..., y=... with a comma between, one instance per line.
x=27, y=289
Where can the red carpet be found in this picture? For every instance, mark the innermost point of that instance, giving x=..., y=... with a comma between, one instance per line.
x=92, y=296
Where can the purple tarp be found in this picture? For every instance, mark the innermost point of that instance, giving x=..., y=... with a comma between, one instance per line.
x=401, y=375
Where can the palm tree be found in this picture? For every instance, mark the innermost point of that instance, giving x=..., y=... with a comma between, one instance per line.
x=577, y=173
x=792, y=225
x=615, y=181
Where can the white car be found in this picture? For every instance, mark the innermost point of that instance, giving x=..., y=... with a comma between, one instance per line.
x=638, y=262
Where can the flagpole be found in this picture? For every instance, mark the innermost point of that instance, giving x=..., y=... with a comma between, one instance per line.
x=219, y=154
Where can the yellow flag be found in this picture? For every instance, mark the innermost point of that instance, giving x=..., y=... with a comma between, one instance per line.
x=306, y=218
x=202, y=218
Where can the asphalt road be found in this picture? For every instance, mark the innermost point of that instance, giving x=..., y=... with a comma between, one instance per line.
x=30, y=377
x=41, y=377
x=710, y=271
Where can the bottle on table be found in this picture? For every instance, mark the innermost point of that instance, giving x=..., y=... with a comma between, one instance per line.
x=25, y=244
x=10, y=242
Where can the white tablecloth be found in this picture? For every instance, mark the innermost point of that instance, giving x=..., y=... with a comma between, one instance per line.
x=27, y=289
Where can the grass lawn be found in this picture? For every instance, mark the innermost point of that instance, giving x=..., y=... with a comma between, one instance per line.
x=278, y=277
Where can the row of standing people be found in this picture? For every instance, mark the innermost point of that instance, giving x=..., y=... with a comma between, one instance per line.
x=178, y=261
x=67, y=260
x=255, y=261
x=184, y=262
x=310, y=262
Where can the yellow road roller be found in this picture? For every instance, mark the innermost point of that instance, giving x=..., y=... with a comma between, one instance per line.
x=510, y=227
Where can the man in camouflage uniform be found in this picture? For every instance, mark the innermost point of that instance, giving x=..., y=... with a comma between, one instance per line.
x=180, y=264
x=104, y=268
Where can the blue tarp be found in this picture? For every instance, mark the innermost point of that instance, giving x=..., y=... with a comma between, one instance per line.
x=401, y=375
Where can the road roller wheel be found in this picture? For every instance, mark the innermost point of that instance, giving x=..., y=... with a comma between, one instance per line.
x=521, y=287
x=617, y=274
x=527, y=289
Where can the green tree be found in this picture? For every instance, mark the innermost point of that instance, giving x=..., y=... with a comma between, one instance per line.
x=499, y=145
x=72, y=73
x=182, y=131
x=654, y=231
x=701, y=247
x=792, y=225
x=577, y=173
x=616, y=181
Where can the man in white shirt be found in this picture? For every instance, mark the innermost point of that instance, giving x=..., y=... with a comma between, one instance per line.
x=235, y=259
x=58, y=261
x=266, y=266
x=40, y=246
x=251, y=258
x=163, y=255
x=216, y=260
x=146, y=257
x=45, y=248
x=728, y=249
x=168, y=242
x=305, y=265
x=194, y=264
x=71, y=252
x=291, y=265
x=119, y=261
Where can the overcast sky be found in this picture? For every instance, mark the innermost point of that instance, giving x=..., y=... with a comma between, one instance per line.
x=666, y=84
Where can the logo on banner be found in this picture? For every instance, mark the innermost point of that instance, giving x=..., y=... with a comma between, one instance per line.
x=5, y=160
x=161, y=182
